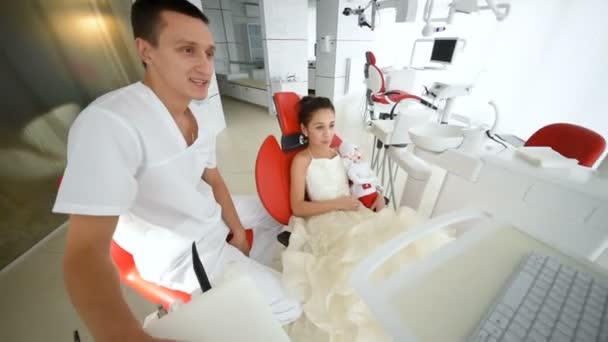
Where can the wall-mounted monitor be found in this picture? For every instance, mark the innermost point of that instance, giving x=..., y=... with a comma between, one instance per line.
x=443, y=50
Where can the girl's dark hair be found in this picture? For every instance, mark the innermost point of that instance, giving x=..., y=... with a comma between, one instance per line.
x=311, y=104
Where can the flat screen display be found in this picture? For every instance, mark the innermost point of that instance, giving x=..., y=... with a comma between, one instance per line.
x=443, y=50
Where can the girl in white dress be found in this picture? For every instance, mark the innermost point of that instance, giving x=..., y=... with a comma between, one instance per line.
x=331, y=233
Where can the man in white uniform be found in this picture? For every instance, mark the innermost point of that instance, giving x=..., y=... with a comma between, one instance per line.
x=142, y=171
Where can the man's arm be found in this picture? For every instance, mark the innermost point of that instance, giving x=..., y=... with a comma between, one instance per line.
x=93, y=283
x=223, y=198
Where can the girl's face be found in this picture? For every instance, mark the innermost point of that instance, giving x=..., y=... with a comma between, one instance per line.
x=320, y=129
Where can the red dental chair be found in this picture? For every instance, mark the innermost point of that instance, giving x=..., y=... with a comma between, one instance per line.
x=273, y=163
x=571, y=141
x=377, y=92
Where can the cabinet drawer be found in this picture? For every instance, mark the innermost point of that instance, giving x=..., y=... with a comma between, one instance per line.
x=233, y=90
x=254, y=95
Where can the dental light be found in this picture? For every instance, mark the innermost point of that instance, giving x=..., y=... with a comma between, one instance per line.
x=406, y=11
x=501, y=11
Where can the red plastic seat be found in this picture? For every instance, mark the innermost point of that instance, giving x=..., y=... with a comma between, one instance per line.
x=130, y=276
x=154, y=293
x=272, y=166
x=571, y=141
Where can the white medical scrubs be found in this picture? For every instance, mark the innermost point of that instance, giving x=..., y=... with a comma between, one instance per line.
x=128, y=158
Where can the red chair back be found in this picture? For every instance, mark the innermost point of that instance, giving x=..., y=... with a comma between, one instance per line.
x=273, y=164
x=272, y=179
x=571, y=141
x=374, y=77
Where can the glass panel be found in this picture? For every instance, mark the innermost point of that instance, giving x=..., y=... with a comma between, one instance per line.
x=57, y=57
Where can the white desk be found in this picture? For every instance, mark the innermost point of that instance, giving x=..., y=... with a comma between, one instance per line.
x=567, y=207
x=447, y=303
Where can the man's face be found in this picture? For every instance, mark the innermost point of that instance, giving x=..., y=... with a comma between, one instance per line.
x=183, y=57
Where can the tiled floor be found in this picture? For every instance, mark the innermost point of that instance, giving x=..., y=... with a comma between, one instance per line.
x=35, y=306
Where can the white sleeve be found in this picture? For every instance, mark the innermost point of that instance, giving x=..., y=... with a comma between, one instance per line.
x=103, y=157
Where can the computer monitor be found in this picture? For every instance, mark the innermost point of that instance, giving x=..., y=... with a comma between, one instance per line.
x=443, y=50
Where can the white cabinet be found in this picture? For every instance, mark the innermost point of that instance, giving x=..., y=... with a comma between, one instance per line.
x=254, y=95
x=259, y=97
x=234, y=90
x=243, y=93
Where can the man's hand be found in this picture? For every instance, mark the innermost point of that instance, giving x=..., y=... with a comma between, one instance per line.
x=239, y=240
x=378, y=204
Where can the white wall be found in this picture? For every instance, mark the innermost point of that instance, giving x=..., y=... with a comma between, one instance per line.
x=284, y=31
x=312, y=28
x=545, y=63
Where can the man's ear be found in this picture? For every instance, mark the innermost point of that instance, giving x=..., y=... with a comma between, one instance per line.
x=143, y=50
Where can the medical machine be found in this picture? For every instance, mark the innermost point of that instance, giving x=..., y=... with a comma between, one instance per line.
x=464, y=286
x=442, y=91
x=501, y=11
x=547, y=300
x=406, y=11
x=443, y=50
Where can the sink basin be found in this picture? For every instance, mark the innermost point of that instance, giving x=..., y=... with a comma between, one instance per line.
x=436, y=137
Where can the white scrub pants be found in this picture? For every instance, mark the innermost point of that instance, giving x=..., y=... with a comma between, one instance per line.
x=285, y=308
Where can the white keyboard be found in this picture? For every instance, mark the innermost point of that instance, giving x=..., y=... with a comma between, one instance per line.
x=547, y=301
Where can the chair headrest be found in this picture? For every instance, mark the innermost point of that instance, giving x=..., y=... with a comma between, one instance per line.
x=375, y=79
x=370, y=58
x=288, y=108
x=571, y=141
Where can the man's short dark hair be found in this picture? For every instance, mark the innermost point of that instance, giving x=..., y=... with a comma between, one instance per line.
x=147, y=23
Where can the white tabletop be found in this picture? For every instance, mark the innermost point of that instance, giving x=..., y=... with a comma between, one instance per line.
x=577, y=178
x=448, y=303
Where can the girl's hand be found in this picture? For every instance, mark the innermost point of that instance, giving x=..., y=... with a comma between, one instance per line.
x=379, y=203
x=347, y=203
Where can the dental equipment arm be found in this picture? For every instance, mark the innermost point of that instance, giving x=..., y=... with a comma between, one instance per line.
x=406, y=11
x=501, y=11
x=496, y=116
x=469, y=6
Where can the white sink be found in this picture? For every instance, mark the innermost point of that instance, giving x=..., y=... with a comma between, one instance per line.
x=437, y=138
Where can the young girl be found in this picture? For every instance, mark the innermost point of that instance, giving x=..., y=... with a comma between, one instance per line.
x=318, y=170
x=331, y=233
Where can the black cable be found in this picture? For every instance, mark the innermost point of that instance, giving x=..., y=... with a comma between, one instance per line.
x=493, y=138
